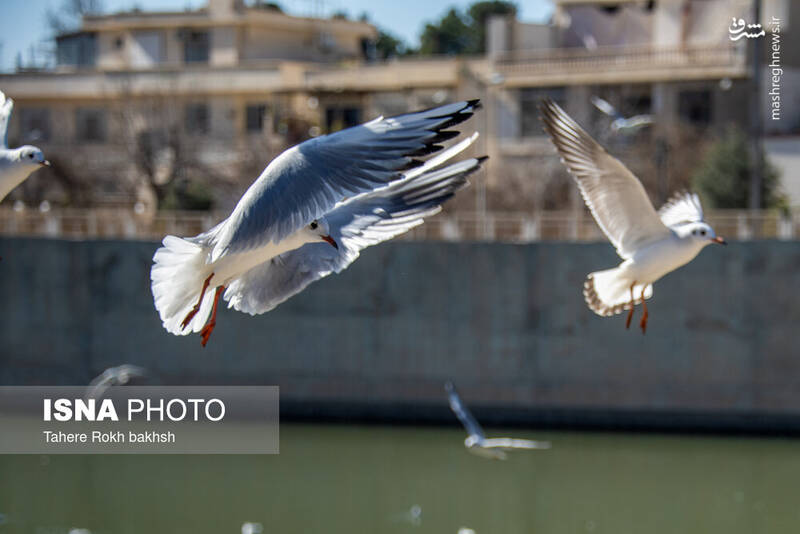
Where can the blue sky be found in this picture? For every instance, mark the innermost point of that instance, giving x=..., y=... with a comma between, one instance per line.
x=23, y=23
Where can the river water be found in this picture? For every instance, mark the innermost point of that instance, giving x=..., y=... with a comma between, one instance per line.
x=382, y=479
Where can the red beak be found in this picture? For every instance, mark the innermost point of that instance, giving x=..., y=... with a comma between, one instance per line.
x=330, y=240
x=719, y=240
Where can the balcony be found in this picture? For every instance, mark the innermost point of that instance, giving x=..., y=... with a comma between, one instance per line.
x=628, y=64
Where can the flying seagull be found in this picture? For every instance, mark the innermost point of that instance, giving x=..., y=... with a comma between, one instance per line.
x=477, y=442
x=113, y=376
x=620, y=123
x=18, y=163
x=310, y=213
x=651, y=243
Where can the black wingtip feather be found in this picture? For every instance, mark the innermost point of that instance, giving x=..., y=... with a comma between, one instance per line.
x=413, y=164
x=481, y=159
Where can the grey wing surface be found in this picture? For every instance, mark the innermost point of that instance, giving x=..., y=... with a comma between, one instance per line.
x=355, y=224
x=6, y=105
x=461, y=411
x=615, y=196
x=308, y=180
x=513, y=443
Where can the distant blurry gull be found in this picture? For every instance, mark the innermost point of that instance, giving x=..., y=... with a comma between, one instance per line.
x=113, y=376
x=310, y=213
x=18, y=163
x=621, y=124
x=252, y=528
x=477, y=442
x=651, y=244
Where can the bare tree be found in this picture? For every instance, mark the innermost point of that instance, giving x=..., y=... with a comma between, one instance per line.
x=67, y=17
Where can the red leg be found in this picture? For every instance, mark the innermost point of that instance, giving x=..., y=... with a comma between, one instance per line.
x=643, y=322
x=193, y=312
x=630, y=311
x=205, y=333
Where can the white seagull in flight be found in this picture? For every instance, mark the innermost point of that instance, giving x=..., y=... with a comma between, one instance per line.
x=476, y=441
x=651, y=243
x=310, y=213
x=16, y=164
x=113, y=376
x=620, y=123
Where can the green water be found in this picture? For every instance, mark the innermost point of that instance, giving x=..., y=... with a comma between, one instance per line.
x=354, y=479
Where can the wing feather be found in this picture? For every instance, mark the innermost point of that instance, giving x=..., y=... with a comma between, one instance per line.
x=464, y=415
x=682, y=208
x=6, y=106
x=615, y=196
x=307, y=181
x=355, y=224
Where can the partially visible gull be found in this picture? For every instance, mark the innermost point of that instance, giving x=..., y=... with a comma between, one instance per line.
x=113, y=376
x=619, y=123
x=16, y=164
x=477, y=442
x=310, y=213
x=650, y=243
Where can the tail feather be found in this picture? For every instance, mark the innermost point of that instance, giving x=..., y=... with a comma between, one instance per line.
x=609, y=292
x=178, y=272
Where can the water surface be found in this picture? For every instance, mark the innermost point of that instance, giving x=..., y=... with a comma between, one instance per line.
x=364, y=479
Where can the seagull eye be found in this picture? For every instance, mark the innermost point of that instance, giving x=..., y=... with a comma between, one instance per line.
x=30, y=156
x=314, y=225
x=702, y=232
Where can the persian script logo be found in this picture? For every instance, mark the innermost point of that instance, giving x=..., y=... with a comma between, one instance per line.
x=739, y=29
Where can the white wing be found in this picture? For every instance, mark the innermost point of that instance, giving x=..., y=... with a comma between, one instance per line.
x=464, y=415
x=615, y=196
x=6, y=105
x=512, y=443
x=682, y=208
x=605, y=107
x=111, y=377
x=308, y=180
x=355, y=224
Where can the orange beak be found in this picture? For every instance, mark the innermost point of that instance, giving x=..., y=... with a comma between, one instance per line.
x=718, y=240
x=330, y=240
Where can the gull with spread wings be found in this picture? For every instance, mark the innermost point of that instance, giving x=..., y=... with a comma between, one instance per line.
x=476, y=441
x=651, y=244
x=310, y=213
x=620, y=123
x=16, y=164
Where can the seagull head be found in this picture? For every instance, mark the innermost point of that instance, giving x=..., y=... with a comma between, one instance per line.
x=30, y=155
x=318, y=229
x=472, y=441
x=702, y=234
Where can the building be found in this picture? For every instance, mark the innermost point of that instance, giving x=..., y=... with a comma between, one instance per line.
x=139, y=101
x=176, y=110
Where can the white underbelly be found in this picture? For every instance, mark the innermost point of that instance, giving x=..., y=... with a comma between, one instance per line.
x=654, y=261
x=232, y=266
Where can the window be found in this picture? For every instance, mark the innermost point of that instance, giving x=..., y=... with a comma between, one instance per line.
x=695, y=106
x=196, y=118
x=90, y=124
x=34, y=124
x=529, y=100
x=255, y=115
x=146, y=48
x=195, y=46
x=77, y=50
x=339, y=118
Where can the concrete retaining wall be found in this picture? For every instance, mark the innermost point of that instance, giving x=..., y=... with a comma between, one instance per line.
x=506, y=322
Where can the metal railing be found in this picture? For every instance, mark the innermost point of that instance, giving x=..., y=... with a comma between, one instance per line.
x=526, y=62
x=104, y=223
